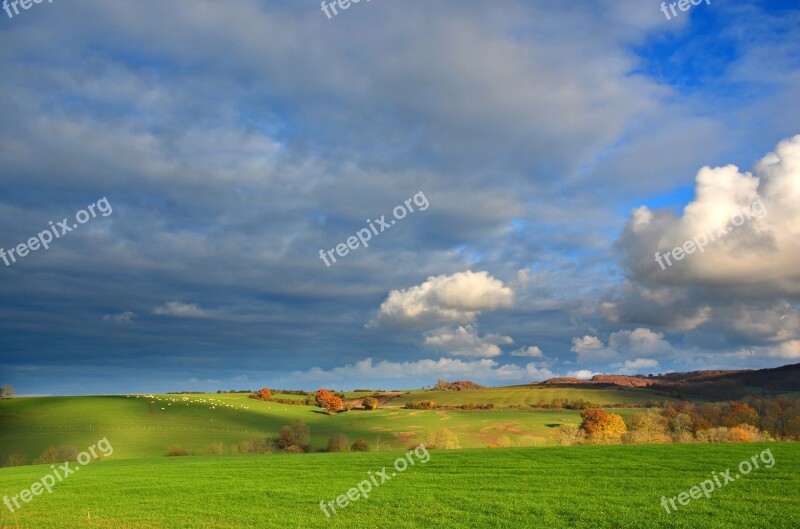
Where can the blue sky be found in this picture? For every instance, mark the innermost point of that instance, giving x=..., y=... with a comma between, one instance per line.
x=560, y=145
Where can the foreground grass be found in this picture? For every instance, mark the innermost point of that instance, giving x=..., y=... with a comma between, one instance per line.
x=581, y=487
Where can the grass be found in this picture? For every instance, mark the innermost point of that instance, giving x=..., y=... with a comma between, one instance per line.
x=531, y=395
x=148, y=426
x=580, y=487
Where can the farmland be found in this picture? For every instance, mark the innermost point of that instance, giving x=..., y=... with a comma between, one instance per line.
x=582, y=487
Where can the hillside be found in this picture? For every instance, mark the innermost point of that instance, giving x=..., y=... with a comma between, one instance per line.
x=720, y=384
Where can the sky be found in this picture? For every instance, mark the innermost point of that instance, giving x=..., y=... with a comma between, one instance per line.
x=550, y=162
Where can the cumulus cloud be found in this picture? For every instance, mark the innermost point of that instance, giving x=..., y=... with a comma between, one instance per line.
x=464, y=341
x=760, y=252
x=631, y=367
x=583, y=374
x=621, y=344
x=457, y=298
x=532, y=351
x=180, y=310
x=367, y=369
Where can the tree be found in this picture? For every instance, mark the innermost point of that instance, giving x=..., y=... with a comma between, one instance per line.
x=328, y=401
x=599, y=424
x=646, y=428
x=370, y=403
x=6, y=392
x=360, y=446
x=264, y=393
x=295, y=437
x=338, y=443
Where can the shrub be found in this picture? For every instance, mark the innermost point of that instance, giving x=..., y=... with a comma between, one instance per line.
x=440, y=440
x=255, y=445
x=504, y=441
x=177, y=450
x=720, y=434
x=48, y=457
x=328, y=401
x=262, y=394
x=214, y=449
x=370, y=403
x=569, y=434
x=297, y=435
x=601, y=425
x=646, y=428
x=67, y=453
x=14, y=459
x=360, y=446
x=421, y=405
x=338, y=443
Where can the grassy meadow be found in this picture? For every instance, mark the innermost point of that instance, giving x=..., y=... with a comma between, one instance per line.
x=580, y=487
x=147, y=426
x=531, y=485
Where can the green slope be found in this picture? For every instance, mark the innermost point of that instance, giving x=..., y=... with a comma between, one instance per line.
x=145, y=427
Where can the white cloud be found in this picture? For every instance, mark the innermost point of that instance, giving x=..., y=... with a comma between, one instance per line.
x=123, y=317
x=367, y=370
x=532, y=351
x=583, y=374
x=180, y=310
x=631, y=367
x=464, y=341
x=621, y=344
x=457, y=298
x=761, y=251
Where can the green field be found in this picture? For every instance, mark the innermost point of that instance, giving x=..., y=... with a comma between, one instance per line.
x=531, y=395
x=580, y=487
x=148, y=426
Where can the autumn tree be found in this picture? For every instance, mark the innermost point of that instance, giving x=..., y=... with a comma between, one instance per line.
x=599, y=424
x=328, y=401
x=264, y=393
x=6, y=392
x=370, y=403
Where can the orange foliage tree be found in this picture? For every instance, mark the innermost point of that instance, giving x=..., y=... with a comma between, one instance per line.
x=264, y=393
x=599, y=424
x=327, y=400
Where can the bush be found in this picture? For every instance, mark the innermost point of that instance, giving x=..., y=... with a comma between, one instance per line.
x=14, y=459
x=421, y=405
x=360, y=446
x=338, y=443
x=600, y=425
x=214, y=449
x=297, y=435
x=370, y=403
x=569, y=434
x=714, y=435
x=176, y=451
x=255, y=445
x=52, y=455
x=646, y=428
x=440, y=440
